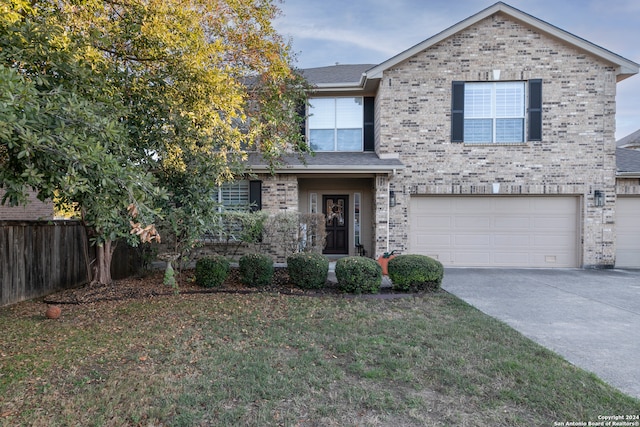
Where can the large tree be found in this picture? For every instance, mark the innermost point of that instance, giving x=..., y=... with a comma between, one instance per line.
x=138, y=107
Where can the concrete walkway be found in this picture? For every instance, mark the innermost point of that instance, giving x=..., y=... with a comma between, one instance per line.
x=589, y=317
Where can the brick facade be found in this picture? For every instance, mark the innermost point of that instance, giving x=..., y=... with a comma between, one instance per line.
x=412, y=93
x=279, y=192
x=575, y=157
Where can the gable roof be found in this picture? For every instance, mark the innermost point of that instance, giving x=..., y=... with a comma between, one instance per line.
x=628, y=162
x=625, y=67
x=630, y=141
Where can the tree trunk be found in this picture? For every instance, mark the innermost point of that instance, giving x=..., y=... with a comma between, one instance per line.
x=102, y=265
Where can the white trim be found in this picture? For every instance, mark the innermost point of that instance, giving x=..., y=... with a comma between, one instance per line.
x=313, y=202
x=388, y=214
x=359, y=215
x=330, y=169
x=336, y=126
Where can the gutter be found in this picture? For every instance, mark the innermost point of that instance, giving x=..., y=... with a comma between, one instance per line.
x=366, y=84
x=628, y=174
x=329, y=169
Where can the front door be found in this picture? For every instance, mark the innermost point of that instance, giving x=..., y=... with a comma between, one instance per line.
x=336, y=210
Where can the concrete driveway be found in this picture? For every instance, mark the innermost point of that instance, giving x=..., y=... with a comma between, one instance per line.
x=589, y=317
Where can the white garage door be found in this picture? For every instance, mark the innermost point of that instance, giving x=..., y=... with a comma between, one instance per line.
x=494, y=231
x=628, y=232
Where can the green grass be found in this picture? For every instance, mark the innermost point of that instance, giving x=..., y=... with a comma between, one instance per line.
x=271, y=360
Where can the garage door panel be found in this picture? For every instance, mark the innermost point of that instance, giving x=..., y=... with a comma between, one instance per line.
x=512, y=258
x=443, y=208
x=553, y=222
x=512, y=223
x=628, y=232
x=553, y=242
x=512, y=240
x=628, y=259
x=434, y=239
x=443, y=257
x=506, y=205
x=470, y=258
x=439, y=221
x=472, y=240
x=472, y=223
x=466, y=206
x=496, y=231
x=559, y=259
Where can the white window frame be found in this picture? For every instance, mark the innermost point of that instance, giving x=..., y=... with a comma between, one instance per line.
x=483, y=110
x=234, y=196
x=334, y=122
x=357, y=222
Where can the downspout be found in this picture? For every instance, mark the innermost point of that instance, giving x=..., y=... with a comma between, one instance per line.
x=389, y=208
x=388, y=212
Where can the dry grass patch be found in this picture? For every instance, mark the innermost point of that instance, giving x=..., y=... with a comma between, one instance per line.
x=269, y=360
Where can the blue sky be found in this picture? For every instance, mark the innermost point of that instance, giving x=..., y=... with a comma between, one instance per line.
x=371, y=31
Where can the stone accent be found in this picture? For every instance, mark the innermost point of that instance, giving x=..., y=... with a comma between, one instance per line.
x=576, y=154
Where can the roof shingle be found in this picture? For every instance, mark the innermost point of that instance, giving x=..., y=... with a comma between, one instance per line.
x=627, y=161
x=339, y=73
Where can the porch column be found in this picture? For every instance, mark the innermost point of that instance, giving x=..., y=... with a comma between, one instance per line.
x=381, y=215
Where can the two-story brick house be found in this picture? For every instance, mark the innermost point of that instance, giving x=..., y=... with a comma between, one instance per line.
x=489, y=144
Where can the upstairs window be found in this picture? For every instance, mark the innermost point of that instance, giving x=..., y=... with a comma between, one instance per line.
x=496, y=112
x=336, y=124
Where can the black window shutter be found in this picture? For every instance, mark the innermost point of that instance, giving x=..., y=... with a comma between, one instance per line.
x=535, y=110
x=255, y=195
x=301, y=110
x=457, y=112
x=369, y=128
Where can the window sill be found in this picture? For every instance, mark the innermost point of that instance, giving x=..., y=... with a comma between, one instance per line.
x=214, y=242
x=494, y=144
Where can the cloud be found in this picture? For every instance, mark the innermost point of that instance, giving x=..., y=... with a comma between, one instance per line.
x=330, y=35
x=372, y=31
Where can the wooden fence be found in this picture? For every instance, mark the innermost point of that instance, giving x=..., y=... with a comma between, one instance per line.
x=41, y=257
x=38, y=258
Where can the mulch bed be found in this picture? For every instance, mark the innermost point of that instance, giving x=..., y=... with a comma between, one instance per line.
x=151, y=285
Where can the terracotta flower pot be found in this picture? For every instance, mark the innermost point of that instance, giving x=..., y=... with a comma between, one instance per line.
x=53, y=312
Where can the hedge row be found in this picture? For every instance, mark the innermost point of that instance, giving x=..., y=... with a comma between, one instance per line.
x=408, y=273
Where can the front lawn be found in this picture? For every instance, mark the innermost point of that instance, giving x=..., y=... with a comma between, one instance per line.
x=266, y=359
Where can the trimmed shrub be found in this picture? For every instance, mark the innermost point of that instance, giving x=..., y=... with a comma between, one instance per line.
x=358, y=275
x=415, y=273
x=308, y=270
x=256, y=269
x=212, y=271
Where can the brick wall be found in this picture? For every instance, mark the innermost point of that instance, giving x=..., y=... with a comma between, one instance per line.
x=279, y=192
x=577, y=151
x=33, y=210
